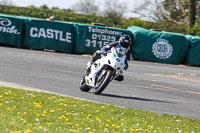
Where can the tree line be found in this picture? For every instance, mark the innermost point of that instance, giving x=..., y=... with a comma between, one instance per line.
x=180, y=16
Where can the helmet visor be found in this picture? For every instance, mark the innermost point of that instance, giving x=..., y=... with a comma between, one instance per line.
x=124, y=44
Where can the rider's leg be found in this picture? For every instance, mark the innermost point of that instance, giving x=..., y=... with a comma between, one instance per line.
x=95, y=57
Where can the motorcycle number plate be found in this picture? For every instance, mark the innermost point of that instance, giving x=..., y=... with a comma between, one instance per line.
x=117, y=59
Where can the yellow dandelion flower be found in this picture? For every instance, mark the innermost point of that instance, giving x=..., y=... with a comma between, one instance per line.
x=77, y=125
x=97, y=118
x=1, y=96
x=6, y=93
x=34, y=96
x=108, y=120
x=97, y=111
x=117, y=127
x=8, y=109
x=28, y=131
x=51, y=97
x=40, y=127
x=44, y=111
x=59, y=109
x=67, y=113
x=137, y=129
x=107, y=125
x=102, y=107
x=37, y=105
x=52, y=111
x=113, y=125
x=1, y=104
x=29, y=125
x=71, y=130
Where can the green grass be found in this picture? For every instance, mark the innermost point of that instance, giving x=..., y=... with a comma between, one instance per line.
x=24, y=111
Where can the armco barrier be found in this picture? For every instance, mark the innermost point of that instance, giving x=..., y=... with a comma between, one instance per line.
x=11, y=29
x=163, y=47
x=42, y=34
x=90, y=38
x=193, y=56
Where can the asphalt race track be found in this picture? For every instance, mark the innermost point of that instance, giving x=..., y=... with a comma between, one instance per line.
x=161, y=88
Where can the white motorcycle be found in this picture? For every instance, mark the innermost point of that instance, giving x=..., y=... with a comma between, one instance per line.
x=103, y=71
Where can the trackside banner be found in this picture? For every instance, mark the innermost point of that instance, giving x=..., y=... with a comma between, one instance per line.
x=42, y=34
x=90, y=38
x=11, y=30
x=193, y=56
x=163, y=47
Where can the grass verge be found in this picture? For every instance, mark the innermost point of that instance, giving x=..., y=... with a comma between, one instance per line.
x=24, y=111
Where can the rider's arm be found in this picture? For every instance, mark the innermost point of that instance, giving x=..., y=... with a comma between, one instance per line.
x=109, y=46
x=128, y=57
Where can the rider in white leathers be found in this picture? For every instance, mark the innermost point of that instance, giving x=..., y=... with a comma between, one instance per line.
x=123, y=45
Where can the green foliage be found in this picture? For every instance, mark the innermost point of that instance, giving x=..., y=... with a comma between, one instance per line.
x=43, y=12
x=24, y=111
x=133, y=21
x=168, y=26
x=195, y=30
x=110, y=20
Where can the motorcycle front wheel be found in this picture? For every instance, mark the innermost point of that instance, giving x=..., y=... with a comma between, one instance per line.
x=103, y=82
x=83, y=87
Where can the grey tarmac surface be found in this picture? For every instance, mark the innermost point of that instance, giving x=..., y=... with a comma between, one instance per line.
x=160, y=88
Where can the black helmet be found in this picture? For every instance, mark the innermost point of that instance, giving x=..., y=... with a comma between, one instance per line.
x=125, y=41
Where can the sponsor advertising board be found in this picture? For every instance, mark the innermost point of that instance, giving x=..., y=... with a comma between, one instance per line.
x=11, y=30
x=91, y=38
x=42, y=34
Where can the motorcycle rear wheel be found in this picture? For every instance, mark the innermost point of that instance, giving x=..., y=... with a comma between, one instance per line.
x=83, y=87
x=106, y=80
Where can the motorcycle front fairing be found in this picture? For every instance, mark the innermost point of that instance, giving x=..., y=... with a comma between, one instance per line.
x=112, y=60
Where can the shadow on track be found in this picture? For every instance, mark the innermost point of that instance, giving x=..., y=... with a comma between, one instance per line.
x=133, y=98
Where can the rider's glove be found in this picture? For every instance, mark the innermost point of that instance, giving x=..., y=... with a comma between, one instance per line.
x=103, y=52
x=126, y=66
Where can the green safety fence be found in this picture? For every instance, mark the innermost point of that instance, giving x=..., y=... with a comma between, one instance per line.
x=193, y=56
x=90, y=38
x=51, y=35
x=11, y=30
x=162, y=47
